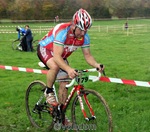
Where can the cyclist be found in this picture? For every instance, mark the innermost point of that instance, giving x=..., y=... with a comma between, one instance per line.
x=60, y=43
x=21, y=32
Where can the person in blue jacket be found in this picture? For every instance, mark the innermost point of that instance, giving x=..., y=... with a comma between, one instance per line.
x=21, y=32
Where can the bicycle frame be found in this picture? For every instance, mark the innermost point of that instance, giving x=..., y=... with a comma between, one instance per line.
x=78, y=89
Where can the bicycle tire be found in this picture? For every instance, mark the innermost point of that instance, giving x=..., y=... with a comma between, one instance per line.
x=103, y=121
x=38, y=115
x=15, y=44
x=35, y=44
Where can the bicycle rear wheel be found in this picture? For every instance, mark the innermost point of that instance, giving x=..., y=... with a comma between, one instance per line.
x=102, y=121
x=36, y=106
x=15, y=44
x=35, y=44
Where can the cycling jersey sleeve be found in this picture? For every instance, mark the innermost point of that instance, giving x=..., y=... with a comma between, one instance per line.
x=18, y=34
x=60, y=38
x=46, y=40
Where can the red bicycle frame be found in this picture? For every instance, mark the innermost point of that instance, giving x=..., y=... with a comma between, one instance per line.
x=78, y=88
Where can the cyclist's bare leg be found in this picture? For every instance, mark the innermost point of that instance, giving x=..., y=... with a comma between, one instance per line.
x=62, y=96
x=52, y=72
x=62, y=92
x=51, y=76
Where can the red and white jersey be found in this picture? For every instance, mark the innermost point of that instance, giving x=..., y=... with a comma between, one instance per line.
x=63, y=36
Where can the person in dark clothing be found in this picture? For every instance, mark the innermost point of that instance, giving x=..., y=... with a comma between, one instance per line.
x=126, y=26
x=29, y=38
x=21, y=34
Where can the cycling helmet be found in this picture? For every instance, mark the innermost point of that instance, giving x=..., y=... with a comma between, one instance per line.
x=18, y=28
x=82, y=19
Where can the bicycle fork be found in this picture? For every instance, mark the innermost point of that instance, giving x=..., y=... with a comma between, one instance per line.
x=80, y=94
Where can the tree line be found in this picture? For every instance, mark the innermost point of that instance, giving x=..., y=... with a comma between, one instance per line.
x=48, y=9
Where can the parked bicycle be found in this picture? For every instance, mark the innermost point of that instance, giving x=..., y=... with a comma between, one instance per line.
x=89, y=110
x=21, y=44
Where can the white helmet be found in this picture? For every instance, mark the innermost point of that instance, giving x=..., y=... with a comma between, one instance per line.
x=82, y=19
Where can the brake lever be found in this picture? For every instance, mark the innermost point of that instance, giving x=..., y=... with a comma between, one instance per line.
x=101, y=65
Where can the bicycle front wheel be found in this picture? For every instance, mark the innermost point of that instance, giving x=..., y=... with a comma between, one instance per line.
x=36, y=106
x=15, y=44
x=98, y=113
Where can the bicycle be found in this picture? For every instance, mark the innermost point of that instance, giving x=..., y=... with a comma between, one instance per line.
x=16, y=44
x=89, y=110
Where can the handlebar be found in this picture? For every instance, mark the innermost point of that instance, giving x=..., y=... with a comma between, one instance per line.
x=90, y=77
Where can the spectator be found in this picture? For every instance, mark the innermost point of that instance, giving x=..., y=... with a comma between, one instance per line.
x=29, y=38
x=57, y=19
x=126, y=25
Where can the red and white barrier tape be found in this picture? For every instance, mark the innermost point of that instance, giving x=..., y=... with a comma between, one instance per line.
x=23, y=69
x=104, y=79
x=125, y=81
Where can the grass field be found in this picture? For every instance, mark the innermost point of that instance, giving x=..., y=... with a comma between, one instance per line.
x=124, y=56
